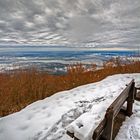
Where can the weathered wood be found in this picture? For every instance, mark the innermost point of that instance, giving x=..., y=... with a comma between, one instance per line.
x=70, y=134
x=105, y=128
x=99, y=130
x=130, y=100
x=106, y=131
x=116, y=105
x=123, y=111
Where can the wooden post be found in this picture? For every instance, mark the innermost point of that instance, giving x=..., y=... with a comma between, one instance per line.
x=108, y=132
x=104, y=131
x=130, y=100
x=99, y=130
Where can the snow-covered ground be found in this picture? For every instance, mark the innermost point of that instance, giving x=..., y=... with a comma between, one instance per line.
x=48, y=119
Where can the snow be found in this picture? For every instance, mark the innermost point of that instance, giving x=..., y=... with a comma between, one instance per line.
x=79, y=110
x=130, y=129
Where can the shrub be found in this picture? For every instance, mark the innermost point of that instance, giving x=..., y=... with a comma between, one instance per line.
x=22, y=87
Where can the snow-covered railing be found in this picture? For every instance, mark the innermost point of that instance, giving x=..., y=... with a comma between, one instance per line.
x=105, y=128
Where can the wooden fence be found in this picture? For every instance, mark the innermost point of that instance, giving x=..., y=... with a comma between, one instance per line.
x=105, y=128
x=104, y=131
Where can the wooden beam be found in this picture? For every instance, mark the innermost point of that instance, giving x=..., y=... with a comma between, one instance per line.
x=99, y=130
x=105, y=128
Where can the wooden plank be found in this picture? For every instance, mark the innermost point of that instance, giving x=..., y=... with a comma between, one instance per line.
x=108, y=130
x=116, y=105
x=123, y=111
x=70, y=134
x=130, y=100
x=99, y=130
x=105, y=128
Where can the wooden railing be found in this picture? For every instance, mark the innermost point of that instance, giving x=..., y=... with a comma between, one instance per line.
x=104, y=130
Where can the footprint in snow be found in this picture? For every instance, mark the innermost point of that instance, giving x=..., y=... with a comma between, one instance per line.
x=44, y=107
x=23, y=127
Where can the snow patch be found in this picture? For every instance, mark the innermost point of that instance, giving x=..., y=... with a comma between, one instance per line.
x=77, y=109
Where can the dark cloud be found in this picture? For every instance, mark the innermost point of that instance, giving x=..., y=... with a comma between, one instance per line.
x=103, y=22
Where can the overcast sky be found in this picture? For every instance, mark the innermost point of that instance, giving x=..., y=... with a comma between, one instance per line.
x=113, y=23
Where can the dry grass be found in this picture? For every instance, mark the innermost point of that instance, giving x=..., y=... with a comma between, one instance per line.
x=20, y=88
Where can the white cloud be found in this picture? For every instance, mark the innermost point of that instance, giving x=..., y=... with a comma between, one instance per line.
x=115, y=22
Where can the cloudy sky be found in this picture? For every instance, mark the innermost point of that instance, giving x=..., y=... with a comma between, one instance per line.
x=114, y=23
